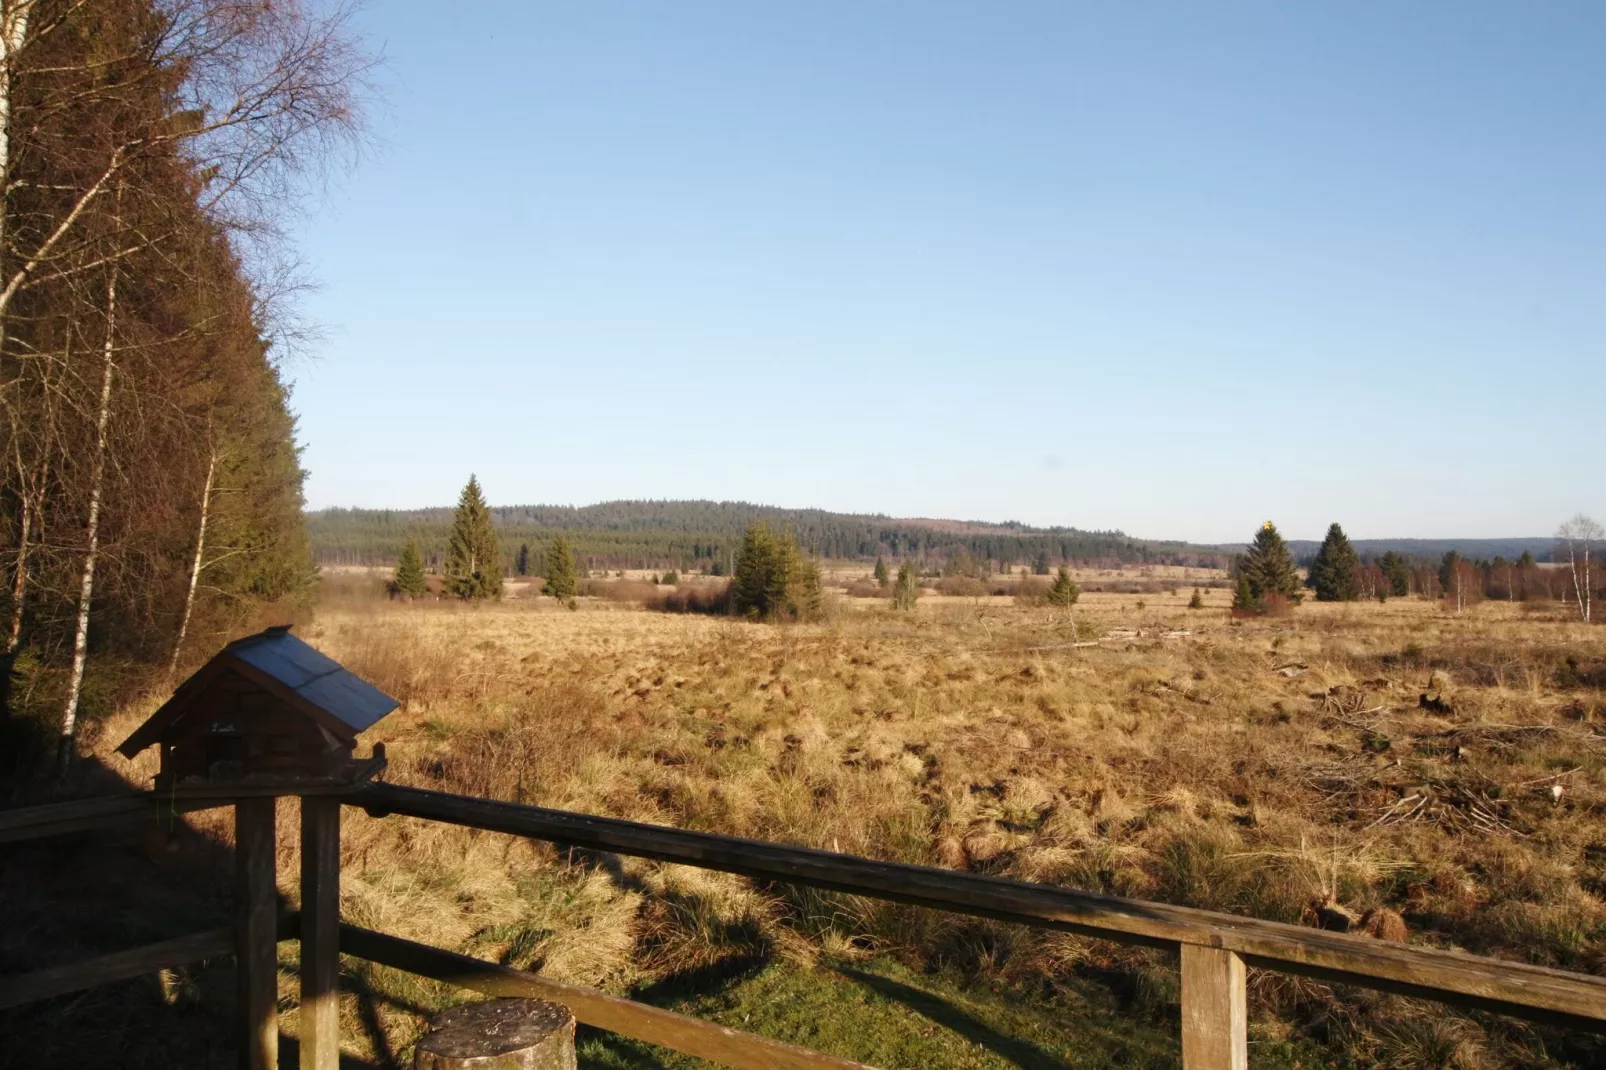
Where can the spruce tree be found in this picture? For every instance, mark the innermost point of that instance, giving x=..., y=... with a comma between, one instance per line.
x=773, y=579
x=882, y=578
x=1398, y=571
x=1063, y=591
x=521, y=563
x=1197, y=601
x=409, y=579
x=473, y=568
x=1040, y=563
x=561, y=578
x=907, y=590
x=1335, y=572
x=1268, y=568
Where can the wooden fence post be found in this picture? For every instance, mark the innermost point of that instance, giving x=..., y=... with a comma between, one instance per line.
x=320, y=932
x=1215, y=1010
x=256, y=950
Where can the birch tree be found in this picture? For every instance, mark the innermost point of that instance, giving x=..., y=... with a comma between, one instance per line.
x=1577, y=537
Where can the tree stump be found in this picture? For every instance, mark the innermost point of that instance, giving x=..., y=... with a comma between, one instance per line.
x=499, y=1034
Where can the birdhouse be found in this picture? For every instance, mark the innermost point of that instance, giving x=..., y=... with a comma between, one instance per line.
x=266, y=709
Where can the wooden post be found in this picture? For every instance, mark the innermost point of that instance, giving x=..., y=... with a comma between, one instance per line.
x=320, y=932
x=499, y=1034
x=1215, y=1010
x=256, y=950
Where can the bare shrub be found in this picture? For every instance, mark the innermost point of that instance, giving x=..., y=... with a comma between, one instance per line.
x=964, y=586
x=1032, y=592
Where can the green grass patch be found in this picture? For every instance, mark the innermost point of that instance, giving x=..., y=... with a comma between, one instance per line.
x=887, y=1015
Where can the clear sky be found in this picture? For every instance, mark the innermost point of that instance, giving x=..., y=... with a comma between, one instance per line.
x=1174, y=268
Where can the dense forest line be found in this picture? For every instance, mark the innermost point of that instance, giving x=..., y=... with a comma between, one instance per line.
x=704, y=535
x=152, y=487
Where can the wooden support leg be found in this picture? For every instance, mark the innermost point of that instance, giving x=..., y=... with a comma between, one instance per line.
x=255, y=936
x=1215, y=1011
x=320, y=933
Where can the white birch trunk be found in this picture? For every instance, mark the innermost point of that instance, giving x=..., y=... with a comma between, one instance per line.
x=86, y=589
x=1572, y=567
x=19, y=583
x=195, y=566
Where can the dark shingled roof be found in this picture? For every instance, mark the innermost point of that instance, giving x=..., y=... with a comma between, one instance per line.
x=283, y=664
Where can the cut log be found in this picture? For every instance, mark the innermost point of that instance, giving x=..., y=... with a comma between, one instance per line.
x=499, y=1034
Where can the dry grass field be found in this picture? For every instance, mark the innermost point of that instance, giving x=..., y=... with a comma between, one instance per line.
x=1389, y=765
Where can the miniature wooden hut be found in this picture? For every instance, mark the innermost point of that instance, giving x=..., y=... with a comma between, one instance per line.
x=267, y=709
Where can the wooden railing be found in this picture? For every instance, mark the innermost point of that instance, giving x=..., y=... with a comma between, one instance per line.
x=1214, y=948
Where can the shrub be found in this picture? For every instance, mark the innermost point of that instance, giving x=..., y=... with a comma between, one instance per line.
x=966, y=586
x=907, y=590
x=1031, y=591
x=1064, y=592
x=1197, y=601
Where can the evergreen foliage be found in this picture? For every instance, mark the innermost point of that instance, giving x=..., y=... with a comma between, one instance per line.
x=907, y=590
x=1197, y=601
x=1267, y=570
x=882, y=577
x=704, y=535
x=473, y=568
x=409, y=579
x=1040, y=563
x=521, y=561
x=671, y=578
x=774, y=580
x=1063, y=591
x=1335, y=572
x=1397, y=568
x=562, y=579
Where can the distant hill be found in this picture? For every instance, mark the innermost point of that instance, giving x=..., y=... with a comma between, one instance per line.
x=697, y=534
x=1433, y=549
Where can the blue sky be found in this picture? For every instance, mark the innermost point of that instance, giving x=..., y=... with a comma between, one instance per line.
x=1174, y=268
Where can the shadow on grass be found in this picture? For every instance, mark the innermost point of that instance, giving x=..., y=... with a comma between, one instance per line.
x=290, y=1058
x=1022, y=1053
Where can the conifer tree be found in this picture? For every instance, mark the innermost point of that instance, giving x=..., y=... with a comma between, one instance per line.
x=773, y=580
x=1243, y=597
x=1398, y=571
x=409, y=579
x=907, y=590
x=1063, y=591
x=521, y=563
x=881, y=576
x=1197, y=601
x=1335, y=572
x=473, y=568
x=1040, y=563
x=562, y=580
x=1268, y=570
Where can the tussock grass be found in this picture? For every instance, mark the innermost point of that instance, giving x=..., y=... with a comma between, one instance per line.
x=1263, y=767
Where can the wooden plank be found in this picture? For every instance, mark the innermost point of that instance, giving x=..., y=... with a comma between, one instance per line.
x=118, y=966
x=59, y=819
x=320, y=933
x=19, y=989
x=693, y=1036
x=256, y=916
x=1553, y=996
x=1215, y=1010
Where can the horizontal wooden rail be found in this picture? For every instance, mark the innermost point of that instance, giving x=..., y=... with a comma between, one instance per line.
x=693, y=1036
x=1552, y=996
x=18, y=989
x=82, y=815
